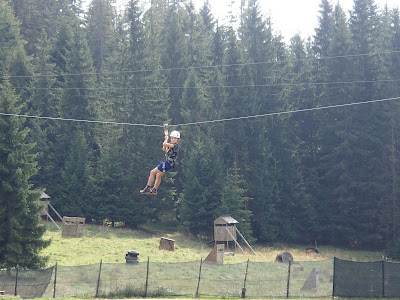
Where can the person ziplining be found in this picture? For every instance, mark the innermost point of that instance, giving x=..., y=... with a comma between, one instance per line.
x=171, y=150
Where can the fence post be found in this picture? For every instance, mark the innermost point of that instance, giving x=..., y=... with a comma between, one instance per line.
x=288, y=280
x=98, y=279
x=147, y=277
x=383, y=278
x=16, y=280
x=198, y=282
x=333, y=279
x=55, y=280
x=245, y=279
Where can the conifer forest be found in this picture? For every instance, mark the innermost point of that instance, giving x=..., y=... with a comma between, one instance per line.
x=298, y=140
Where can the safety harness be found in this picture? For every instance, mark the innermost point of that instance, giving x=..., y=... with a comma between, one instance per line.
x=171, y=156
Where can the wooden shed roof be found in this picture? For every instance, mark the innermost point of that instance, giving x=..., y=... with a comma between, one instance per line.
x=226, y=218
x=44, y=196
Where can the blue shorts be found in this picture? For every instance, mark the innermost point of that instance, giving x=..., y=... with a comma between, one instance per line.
x=167, y=166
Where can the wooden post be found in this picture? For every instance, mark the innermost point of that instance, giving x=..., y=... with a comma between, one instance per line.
x=52, y=220
x=241, y=235
x=333, y=280
x=147, y=277
x=288, y=280
x=98, y=279
x=383, y=279
x=16, y=280
x=55, y=280
x=236, y=242
x=58, y=215
x=198, y=282
x=245, y=279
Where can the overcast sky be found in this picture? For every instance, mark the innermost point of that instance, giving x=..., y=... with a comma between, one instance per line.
x=288, y=16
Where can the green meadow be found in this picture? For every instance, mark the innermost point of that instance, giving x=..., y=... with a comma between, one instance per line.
x=111, y=244
x=174, y=274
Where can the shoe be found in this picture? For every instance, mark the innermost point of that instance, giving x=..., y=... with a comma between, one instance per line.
x=153, y=192
x=146, y=190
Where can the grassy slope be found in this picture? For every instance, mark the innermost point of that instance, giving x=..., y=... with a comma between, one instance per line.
x=111, y=245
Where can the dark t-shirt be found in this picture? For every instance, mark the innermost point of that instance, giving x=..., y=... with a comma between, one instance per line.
x=172, y=155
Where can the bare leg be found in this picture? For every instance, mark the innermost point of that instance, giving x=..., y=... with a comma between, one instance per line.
x=152, y=175
x=158, y=179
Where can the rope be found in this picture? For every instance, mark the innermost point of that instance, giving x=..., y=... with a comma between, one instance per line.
x=204, y=122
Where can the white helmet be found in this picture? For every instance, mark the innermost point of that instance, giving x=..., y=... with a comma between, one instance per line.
x=176, y=134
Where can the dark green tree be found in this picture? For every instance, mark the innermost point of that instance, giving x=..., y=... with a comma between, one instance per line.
x=390, y=63
x=354, y=170
x=173, y=57
x=20, y=233
x=79, y=103
x=206, y=15
x=323, y=33
x=202, y=181
x=100, y=30
x=128, y=153
x=35, y=16
x=44, y=102
x=234, y=201
x=333, y=124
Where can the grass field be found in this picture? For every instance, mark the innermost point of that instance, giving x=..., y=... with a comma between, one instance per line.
x=111, y=245
x=174, y=274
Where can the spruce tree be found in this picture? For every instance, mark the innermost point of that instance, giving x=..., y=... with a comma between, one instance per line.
x=262, y=137
x=128, y=153
x=354, y=168
x=333, y=126
x=234, y=201
x=78, y=102
x=20, y=233
x=202, y=181
x=323, y=33
x=100, y=32
x=390, y=64
x=173, y=57
x=208, y=19
x=44, y=102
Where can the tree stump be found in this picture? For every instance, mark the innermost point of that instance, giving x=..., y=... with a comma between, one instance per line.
x=167, y=244
x=284, y=257
x=312, y=251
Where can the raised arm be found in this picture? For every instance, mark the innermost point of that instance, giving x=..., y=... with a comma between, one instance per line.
x=165, y=144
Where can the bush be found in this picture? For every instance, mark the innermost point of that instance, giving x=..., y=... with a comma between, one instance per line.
x=127, y=292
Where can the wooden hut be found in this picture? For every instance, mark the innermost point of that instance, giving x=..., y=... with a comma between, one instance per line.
x=44, y=204
x=225, y=231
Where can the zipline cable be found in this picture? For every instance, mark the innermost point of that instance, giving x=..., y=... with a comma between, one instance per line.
x=204, y=67
x=210, y=86
x=77, y=120
x=204, y=122
x=289, y=112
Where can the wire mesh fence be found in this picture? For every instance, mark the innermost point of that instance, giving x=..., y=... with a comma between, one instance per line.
x=311, y=279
